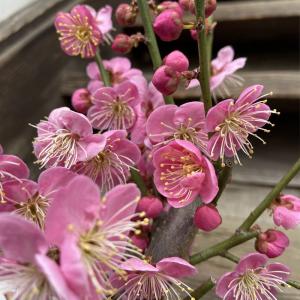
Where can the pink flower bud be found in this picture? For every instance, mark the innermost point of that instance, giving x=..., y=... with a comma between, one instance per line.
x=125, y=14
x=122, y=43
x=170, y=5
x=177, y=60
x=272, y=243
x=152, y=206
x=207, y=217
x=81, y=100
x=188, y=5
x=210, y=7
x=166, y=80
x=141, y=241
x=194, y=34
x=168, y=25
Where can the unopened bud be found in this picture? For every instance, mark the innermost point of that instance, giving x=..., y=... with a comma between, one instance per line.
x=168, y=25
x=207, y=217
x=166, y=80
x=81, y=100
x=152, y=206
x=169, y=5
x=126, y=14
x=122, y=43
x=177, y=60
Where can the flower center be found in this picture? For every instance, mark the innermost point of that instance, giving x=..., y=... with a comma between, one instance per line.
x=186, y=133
x=254, y=284
x=83, y=34
x=60, y=150
x=34, y=209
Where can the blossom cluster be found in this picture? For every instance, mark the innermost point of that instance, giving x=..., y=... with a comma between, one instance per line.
x=82, y=230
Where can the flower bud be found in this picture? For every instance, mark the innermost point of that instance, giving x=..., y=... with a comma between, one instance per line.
x=272, y=243
x=122, y=43
x=81, y=100
x=166, y=80
x=141, y=241
x=188, y=5
x=169, y=5
x=125, y=14
x=194, y=34
x=207, y=217
x=152, y=206
x=177, y=61
x=168, y=25
x=210, y=7
x=286, y=211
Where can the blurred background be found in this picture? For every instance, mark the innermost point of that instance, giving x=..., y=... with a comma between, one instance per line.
x=36, y=76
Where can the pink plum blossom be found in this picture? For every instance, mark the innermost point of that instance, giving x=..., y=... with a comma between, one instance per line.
x=115, y=107
x=272, y=243
x=234, y=122
x=79, y=32
x=182, y=173
x=186, y=122
x=147, y=281
x=286, y=211
x=120, y=70
x=26, y=269
x=103, y=20
x=253, y=276
x=92, y=233
x=111, y=166
x=65, y=138
x=223, y=68
x=30, y=199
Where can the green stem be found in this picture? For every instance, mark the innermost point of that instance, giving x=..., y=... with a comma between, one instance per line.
x=204, y=56
x=254, y=215
x=203, y=289
x=221, y=247
x=151, y=39
x=103, y=72
x=223, y=179
x=295, y=284
x=137, y=178
x=230, y=257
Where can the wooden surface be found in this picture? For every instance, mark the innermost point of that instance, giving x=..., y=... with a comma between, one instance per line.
x=283, y=83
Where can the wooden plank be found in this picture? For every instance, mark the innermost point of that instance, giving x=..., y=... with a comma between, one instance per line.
x=250, y=10
x=253, y=10
x=283, y=84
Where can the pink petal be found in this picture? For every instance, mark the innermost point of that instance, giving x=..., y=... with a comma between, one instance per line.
x=161, y=121
x=92, y=71
x=193, y=83
x=20, y=239
x=128, y=93
x=178, y=203
x=77, y=205
x=235, y=65
x=251, y=261
x=209, y=188
x=90, y=146
x=280, y=270
x=190, y=113
x=105, y=94
x=176, y=267
x=55, y=277
x=53, y=179
x=286, y=218
x=72, y=266
x=223, y=285
x=119, y=203
x=193, y=182
x=217, y=114
x=136, y=264
x=14, y=166
x=104, y=20
x=118, y=65
x=250, y=94
x=225, y=56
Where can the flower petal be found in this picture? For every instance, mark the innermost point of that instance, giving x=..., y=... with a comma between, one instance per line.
x=251, y=261
x=137, y=265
